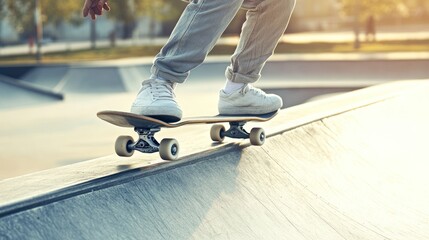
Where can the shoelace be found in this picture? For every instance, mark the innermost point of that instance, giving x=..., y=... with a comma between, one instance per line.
x=256, y=91
x=161, y=90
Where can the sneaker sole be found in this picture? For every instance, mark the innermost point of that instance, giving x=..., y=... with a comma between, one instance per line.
x=162, y=113
x=246, y=111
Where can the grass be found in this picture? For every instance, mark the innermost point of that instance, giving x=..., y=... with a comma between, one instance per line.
x=141, y=51
x=373, y=47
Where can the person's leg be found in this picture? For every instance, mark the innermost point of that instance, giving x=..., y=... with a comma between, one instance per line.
x=266, y=21
x=265, y=24
x=198, y=29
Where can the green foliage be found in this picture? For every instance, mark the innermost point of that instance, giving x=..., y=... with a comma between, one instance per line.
x=384, y=8
x=127, y=11
x=368, y=7
x=21, y=13
x=55, y=11
x=2, y=9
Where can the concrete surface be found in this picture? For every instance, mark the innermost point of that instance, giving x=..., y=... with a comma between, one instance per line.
x=348, y=167
x=66, y=132
x=46, y=76
x=15, y=94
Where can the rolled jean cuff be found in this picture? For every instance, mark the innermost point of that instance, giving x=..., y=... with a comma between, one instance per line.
x=169, y=75
x=241, y=78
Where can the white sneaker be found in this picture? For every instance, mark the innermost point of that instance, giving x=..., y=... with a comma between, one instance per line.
x=248, y=100
x=157, y=99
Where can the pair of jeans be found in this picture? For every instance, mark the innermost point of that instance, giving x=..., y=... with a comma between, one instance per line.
x=203, y=22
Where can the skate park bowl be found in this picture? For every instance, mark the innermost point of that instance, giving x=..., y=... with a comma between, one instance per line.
x=16, y=93
x=351, y=166
x=298, y=73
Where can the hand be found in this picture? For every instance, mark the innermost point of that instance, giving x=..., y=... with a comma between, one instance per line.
x=94, y=7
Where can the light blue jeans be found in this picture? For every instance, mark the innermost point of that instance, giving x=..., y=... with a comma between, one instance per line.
x=203, y=22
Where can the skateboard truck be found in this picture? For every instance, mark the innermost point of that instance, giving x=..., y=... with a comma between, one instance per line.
x=168, y=148
x=236, y=130
x=147, y=142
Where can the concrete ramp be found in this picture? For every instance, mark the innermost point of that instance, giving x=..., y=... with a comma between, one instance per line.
x=93, y=78
x=90, y=80
x=360, y=173
x=16, y=93
x=46, y=76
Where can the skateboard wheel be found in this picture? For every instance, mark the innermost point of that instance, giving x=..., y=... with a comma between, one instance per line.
x=169, y=149
x=121, y=146
x=257, y=136
x=216, y=133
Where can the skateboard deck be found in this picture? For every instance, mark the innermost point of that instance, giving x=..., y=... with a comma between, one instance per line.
x=168, y=149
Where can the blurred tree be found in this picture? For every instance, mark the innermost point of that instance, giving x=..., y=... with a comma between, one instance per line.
x=388, y=11
x=2, y=9
x=362, y=10
x=417, y=9
x=128, y=11
x=22, y=16
x=57, y=12
x=3, y=13
x=369, y=7
x=22, y=13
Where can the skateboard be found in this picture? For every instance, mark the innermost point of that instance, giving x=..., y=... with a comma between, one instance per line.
x=168, y=148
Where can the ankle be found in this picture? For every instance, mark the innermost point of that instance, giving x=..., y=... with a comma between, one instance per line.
x=232, y=86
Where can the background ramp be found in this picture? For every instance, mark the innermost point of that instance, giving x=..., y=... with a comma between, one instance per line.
x=16, y=93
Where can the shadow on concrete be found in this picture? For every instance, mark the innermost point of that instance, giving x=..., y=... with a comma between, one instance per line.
x=173, y=209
